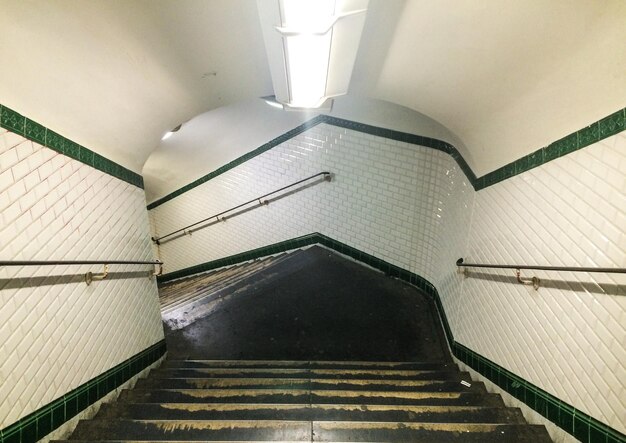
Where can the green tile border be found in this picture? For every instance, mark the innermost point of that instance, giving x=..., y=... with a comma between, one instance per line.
x=40, y=423
x=575, y=422
x=608, y=126
x=17, y=123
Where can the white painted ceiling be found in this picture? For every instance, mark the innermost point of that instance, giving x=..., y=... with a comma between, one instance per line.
x=505, y=76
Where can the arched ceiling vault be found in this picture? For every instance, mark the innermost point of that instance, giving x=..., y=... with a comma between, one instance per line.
x=505, y=77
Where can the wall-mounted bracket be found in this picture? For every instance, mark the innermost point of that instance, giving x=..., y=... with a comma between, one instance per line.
x=158, y=271
x=263, y=202
x=90, y=276
x=527, y=281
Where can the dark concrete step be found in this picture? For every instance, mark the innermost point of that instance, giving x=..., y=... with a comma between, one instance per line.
x=429, y=432
x=267, y=430
x=277, y=364
x=309, y=384
x=315, y=412
x=214, y=430
x=291, y=396
x=369, y=374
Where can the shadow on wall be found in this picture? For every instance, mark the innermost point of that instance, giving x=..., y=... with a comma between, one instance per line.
x=564, y=285
x=50, y=280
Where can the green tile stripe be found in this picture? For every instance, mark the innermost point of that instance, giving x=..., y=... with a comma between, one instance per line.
x=228, y=166
x=565, y=416
x=334, y=121
x=17, y=123
x=582, y=426
x=40, y=423
x=608, y=126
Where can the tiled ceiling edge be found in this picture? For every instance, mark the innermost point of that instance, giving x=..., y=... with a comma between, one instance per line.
x=46, y=419
x=17, y=123
x=348, y=124
x=582, y=426
x=606, y=127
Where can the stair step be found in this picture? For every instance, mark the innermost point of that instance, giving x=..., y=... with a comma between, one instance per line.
x=369, y=374
x=309, y=384
x=304, y=412
x=269, y=430
x=429, y=432
x=181, y=430
x=308, y=396
x=299, y=364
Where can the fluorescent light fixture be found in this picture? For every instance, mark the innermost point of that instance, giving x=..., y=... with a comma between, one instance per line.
x=311, y=47
x=168, y=134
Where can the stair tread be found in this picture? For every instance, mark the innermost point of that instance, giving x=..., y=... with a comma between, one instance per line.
x=313, y=412
x=303, y=430
x=298, y=364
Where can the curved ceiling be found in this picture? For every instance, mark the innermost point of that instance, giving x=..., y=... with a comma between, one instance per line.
x=507, y=77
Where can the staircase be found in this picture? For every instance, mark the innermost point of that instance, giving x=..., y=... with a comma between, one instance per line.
x=186, y=300
x=300, y=347
x=197, y=400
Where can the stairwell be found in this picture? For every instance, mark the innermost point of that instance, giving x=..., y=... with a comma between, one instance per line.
x=422, y=396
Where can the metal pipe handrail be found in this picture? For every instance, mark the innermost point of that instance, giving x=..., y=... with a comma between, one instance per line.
x=75, y=262
x=89, y=276
x=461, y=263
x=157, y=240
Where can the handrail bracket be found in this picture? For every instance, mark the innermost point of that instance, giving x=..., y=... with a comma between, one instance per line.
x=527, y=281
x=90, y=276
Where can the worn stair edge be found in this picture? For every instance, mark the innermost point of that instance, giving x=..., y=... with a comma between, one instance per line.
x=304, y=412
x=306, y=396
x=310, y=384
x=301, y=364
x=303, y=431
x=347, y=374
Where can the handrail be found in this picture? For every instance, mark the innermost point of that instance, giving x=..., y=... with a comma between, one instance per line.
x=89, y=276
x=461, y=263
x=157, y=240
x=535, y=280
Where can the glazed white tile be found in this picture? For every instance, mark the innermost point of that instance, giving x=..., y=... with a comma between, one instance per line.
x=55, y=337
x=388, y=198
x=569, y=337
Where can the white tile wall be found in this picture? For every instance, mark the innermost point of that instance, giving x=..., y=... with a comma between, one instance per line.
x=569, y=337
x=388, y=198
x=55, y=337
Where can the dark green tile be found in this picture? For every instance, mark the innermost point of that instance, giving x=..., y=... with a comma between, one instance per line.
x=29, y=431
x=541, y=404
x=55, y=142
x=12, y=120
x=85, y=156
x=521, y=165
x=98, y=162
x=589, y=135
x=58, y=414
x=535, y=159
x=44, y=424
x=612, y=124
x=34, y=131
x=72, y=150
x=82, y=399
x=552, y=409
x=566, y=418
x=71, y=406
x=597, y=434
x=551, y=152
x=11, y=434
x=581, y=428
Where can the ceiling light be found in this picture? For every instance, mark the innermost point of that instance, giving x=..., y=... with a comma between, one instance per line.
x=168, y=134
x=311, y=47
